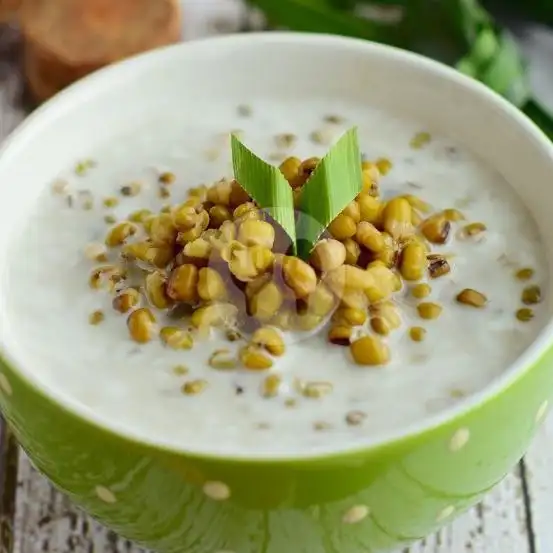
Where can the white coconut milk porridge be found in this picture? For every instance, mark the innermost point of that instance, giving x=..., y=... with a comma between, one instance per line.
x=140, y=385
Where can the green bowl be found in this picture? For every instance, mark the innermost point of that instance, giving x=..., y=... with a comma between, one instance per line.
x=379, y=496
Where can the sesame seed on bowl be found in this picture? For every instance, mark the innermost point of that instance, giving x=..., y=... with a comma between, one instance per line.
x=105, y=494
x=5, y=385
x=542, y=411
x=446, y=513
x=459, y=440
x=217, y=491
x=356, y=514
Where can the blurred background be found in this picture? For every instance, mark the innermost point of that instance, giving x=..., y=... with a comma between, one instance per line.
x=47, y=44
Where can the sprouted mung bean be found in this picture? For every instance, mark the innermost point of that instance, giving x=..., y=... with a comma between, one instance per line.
x=96, y=252
x=322, y=136
x=417, y=333
x=60, y=187
x=524, y=274
x=111, y=202
x=525, y=314
x=194, y=387
x=429, y=310
x=180, y=370
x=420, y=140
x=96, y=317
x=203, y=308
x=131, y=189
x=285, y=140
x=84, y=166
x=421, y=291
x=531, y=295
x=167, y=177
x=472, y=298
x=333, y=119
x=355, y=418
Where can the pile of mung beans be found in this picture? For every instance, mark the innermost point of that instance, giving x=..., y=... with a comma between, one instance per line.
x=217, y=261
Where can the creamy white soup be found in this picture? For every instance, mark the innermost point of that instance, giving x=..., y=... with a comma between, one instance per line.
x=81, y=346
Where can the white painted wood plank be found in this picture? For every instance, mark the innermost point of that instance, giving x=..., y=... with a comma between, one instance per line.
x=539, y=476
x=47, y=522
x=538, y=43
x=497, y=525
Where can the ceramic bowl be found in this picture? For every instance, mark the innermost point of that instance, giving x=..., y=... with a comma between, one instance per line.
x=376, y=497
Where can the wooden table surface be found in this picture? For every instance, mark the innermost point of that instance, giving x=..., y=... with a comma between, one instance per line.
x=34, y=518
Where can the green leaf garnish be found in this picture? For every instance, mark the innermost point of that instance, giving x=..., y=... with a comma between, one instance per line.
x=336, y=182
x=266, y=185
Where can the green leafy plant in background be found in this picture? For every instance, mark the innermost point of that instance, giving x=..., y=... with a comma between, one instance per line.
x=538, y=10
x=461, y=33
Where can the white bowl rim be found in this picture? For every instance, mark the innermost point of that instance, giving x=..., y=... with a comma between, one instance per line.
x=448, y=416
